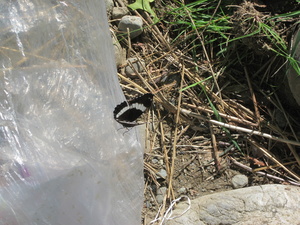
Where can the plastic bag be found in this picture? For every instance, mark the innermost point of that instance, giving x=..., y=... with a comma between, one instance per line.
x=63, y=159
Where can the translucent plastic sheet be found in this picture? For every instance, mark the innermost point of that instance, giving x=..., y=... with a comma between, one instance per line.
x=63, y=160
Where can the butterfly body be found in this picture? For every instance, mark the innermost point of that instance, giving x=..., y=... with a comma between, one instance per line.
x=127, y=113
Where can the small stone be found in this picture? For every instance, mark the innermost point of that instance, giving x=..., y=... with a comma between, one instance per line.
x=182, y=190
x=239, y=181
x=154, y=161
x=119, y=12
x=133, y=23
x=161, y=191
x=137, y=64
x=120, y=53
x=159, y=199
x=148, y=204
x=162, y=174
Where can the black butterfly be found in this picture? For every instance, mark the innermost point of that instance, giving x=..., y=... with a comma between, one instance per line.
x=127, y=113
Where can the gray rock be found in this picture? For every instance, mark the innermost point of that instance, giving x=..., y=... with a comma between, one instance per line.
x=160, y=194
x=137, y=64
x=161, y=191
x=154, y=161
x=148, y=204
x=162, y=174
x=239, y=181
x=182, y=190
x=119, y=12
x=159, y=199
x=267, y=204
x=120, y=53
x=133, y=23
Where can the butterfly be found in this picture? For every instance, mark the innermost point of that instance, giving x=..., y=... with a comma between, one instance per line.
x=128, y=112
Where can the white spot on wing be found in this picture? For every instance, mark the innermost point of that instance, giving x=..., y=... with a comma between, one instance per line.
x=138, y=106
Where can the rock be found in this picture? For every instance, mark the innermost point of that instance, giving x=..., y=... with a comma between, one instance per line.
x=160, y=194
x=148, y=204
x=120, y=53
x=119, y=12
x=239, y=181
x=154, y=161
x=182, y=190
x=159, y=199
x=133, y=23
x=161, y=191
x=162, y=174
x=266, y=204
x=137, y=64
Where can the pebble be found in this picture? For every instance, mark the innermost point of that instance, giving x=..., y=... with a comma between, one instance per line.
x=133, y=23
x=162, y=174
x=137, y=64
x=119, y=12
x=161, y=191
x=160, y=194
x=154, y=161
x=239, y=181
x=120, y=53
x=148, y=204
x=181, y=190
x=159, y=199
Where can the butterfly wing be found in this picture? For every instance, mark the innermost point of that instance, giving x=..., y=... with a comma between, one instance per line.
x=128, y=112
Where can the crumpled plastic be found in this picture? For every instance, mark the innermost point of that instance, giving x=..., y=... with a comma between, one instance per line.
x=64, y=160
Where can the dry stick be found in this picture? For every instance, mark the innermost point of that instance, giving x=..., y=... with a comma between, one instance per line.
x=129, y=43
x=132, y=83
x=267, y=153
x=186, y=165
x=257, y=114
x=166, y=159
x=261, y=173
x=153, y=173
x=223, y=115
x=175, y=137
x=255, y=132
x=215, y=148
x=164, y=146
x=184, y=111
x=273, y=166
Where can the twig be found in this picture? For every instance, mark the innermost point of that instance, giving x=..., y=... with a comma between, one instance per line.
x=271, y=157
x=249, y=131
x=228, y=117
x=246, y=130
x=257, y=114
x=175, y=137
x=215, y=148
x=261, y=173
